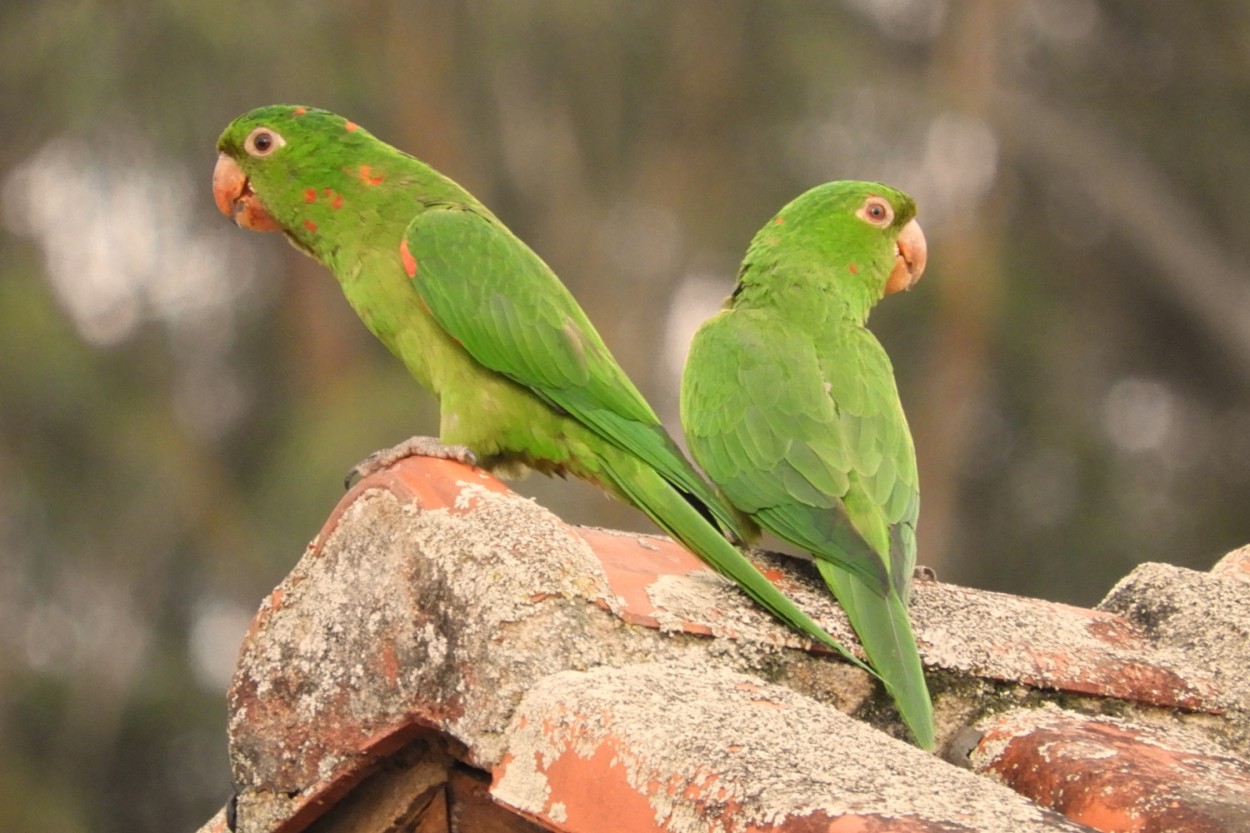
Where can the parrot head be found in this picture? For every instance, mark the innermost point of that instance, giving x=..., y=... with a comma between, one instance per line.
x=867, y=229
x=291, y=169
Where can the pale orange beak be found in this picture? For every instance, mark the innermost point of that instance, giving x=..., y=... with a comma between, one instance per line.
x=909, y=259
x=234, y=197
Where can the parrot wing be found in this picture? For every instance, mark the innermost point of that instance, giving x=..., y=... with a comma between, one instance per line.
x=507, y=308
x=884, y=501
x=809, y=441
x=760, y=420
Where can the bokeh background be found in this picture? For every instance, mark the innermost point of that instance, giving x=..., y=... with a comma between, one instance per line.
x=179, y=399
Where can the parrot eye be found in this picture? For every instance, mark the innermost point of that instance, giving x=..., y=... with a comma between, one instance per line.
x=876, y=211
x=262, y=141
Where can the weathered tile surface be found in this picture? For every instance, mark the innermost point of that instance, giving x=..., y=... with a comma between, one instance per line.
x=610, y=681
x=1118, y=775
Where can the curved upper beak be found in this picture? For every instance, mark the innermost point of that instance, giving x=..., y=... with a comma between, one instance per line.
x=909, y=259
x=228, y=184
x=234, y=197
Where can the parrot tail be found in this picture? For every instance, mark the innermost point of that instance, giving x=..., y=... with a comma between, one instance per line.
x=670, y=509
x=885, y=632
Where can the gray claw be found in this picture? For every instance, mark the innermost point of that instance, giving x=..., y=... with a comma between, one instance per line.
x=923, y=573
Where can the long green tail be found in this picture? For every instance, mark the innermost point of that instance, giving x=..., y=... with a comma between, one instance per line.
x=885, y=632
x=671, y=511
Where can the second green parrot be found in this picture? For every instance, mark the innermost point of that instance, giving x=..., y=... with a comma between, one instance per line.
x=522, y=378
x=789, y=404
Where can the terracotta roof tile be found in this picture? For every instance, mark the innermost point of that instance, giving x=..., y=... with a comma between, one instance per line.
x=1202, y=617
x=673, y=747
x=442, y=631
x=1118, y=775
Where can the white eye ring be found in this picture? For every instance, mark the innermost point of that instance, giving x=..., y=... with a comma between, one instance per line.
x=263, y=141
x=876, y=211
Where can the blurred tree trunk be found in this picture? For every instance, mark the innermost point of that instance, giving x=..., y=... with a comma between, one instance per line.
x=969, y=295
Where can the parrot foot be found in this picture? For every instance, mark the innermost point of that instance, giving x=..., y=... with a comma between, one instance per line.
x=411, y=447
x=923, y=573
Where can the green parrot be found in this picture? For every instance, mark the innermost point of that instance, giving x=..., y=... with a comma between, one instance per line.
x=789, y=404
x=522, y=378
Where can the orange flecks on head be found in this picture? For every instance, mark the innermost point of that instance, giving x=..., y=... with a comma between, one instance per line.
x=311, y=226
x=854, y=269
x=338, y=202
x=410, y=262
x=367, y=177
x=350, y=126
x=310, y=195
x=299, y=111
x=778, y=220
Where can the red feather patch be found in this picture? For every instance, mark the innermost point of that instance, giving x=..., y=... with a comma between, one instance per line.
x=410, y=262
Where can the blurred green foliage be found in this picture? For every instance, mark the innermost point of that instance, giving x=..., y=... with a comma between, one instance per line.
x=179, y=400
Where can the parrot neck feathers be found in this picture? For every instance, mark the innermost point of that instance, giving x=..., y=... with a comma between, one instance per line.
x=820, y=258
x=803, y=290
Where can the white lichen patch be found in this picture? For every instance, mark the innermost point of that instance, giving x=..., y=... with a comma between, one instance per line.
x=1005, y=637
x=1176, y=768
x=1172, y=738
x=1203, y=618
x=707, y=598
x=701, y=597
x=718, y=742
x=519, y=548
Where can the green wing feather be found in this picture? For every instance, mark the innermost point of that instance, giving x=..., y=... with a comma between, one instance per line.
x=759, y=421
x=885, y=500
x=495, y=296
x=810, y=440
